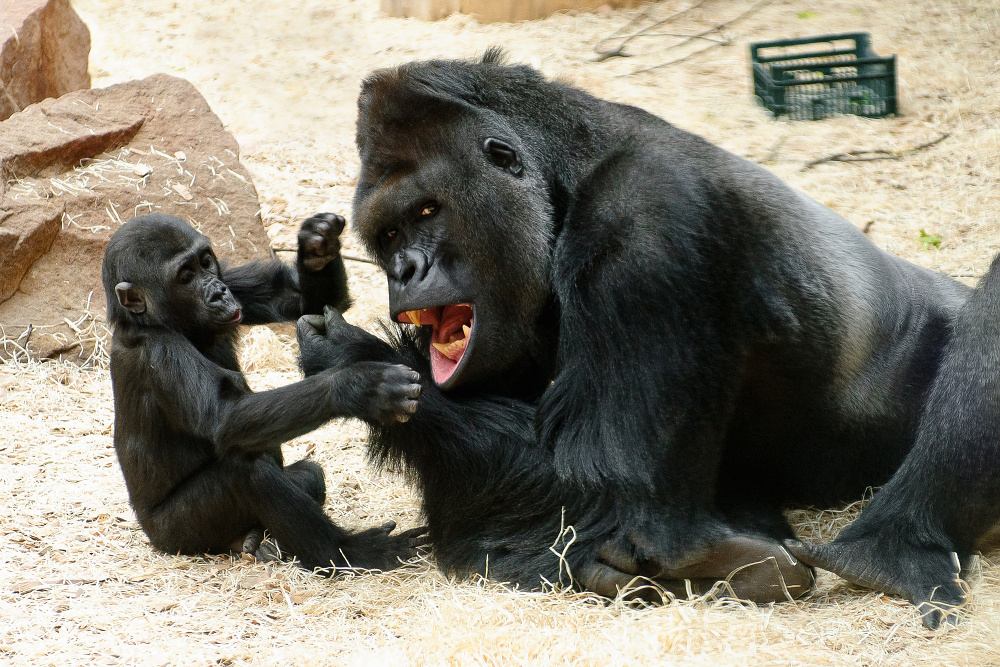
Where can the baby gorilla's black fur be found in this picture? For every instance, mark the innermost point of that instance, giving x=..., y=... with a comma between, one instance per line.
x=201, y=452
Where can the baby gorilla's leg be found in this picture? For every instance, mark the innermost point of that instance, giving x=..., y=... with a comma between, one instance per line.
x=308, y=476
x=237, y=494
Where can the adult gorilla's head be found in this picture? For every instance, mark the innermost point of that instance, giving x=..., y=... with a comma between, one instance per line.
x=453, y=201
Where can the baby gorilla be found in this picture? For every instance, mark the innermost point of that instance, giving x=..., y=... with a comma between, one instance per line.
x=201, y=452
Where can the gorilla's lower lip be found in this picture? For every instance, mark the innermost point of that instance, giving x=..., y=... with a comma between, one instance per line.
x=453, y=326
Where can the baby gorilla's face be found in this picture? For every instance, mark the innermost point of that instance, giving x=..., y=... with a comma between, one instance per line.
x=196, y=296
x=158, y=270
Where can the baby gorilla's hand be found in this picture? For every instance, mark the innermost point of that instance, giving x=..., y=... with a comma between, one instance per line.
x=319, y=240
x=396, y=393
x=378, y=392
x=376, y=549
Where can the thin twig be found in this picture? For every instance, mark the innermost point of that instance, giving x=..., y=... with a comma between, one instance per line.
x=365, y=260
x=352, y=258
x=772, y=154
x=707, y=38
x=604, y=55
x=700, y=35
x=675, y=61
x=876, y=154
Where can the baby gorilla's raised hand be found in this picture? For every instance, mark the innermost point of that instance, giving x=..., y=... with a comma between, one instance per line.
x=319, y=240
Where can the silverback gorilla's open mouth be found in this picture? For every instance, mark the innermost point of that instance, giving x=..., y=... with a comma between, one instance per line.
x=451, y=337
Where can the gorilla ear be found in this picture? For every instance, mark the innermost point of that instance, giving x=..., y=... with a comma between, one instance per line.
x=130, y=298
x=503, y=155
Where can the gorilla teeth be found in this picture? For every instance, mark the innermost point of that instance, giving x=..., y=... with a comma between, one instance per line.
x=414, y=316
x=456, y=348
x=452, y=350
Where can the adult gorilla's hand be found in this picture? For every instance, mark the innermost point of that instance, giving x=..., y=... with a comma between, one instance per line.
x=328, y=341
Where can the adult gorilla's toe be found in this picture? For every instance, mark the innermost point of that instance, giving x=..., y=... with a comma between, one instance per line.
x=609, y=582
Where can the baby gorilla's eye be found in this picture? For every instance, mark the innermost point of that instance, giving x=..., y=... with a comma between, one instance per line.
x=185, y=276
x=206, y=262
x=391, y=234
x=430, y=208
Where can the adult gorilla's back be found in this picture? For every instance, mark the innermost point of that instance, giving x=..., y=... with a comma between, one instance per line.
x=701, y=345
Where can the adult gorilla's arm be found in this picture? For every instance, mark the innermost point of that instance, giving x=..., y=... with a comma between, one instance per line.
x=491, y=494
x=275, y=292
x=643, y=368
x=488, y=488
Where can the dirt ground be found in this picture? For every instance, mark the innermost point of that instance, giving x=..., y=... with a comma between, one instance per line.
x=79, y=583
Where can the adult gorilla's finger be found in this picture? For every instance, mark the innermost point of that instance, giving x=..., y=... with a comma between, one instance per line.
x=333, y=318
x=607, y=581
x=317, y=322
x=614, y=555
x=310, y=326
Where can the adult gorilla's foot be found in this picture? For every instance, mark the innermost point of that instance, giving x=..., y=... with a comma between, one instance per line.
x=251, y=543
x=755, y=568
x=926, y=575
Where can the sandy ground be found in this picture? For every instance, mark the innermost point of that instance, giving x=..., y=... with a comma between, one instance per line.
x=79, y=583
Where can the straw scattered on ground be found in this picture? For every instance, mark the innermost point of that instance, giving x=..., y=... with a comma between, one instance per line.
x=79, y=583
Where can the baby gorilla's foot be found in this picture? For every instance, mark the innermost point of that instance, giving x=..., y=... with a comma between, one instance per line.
x=377, y=549
x=925, y=574
x=247, y=544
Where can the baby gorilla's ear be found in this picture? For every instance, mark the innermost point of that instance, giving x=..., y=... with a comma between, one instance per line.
x=130, y=297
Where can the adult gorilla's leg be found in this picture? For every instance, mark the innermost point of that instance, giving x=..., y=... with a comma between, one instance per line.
x=926, y=521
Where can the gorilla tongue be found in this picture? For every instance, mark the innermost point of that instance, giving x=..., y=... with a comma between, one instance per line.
x=452, y=328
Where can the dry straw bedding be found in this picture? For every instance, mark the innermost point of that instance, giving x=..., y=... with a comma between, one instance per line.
x=79, y=583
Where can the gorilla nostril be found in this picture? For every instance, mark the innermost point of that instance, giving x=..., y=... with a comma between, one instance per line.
x=408, y=272
x=411, y=264
x=217, y=295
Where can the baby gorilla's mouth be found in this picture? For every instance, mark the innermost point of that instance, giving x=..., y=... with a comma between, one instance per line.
x=452, y=333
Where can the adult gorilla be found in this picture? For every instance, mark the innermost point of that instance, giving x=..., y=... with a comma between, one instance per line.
x=629, y=330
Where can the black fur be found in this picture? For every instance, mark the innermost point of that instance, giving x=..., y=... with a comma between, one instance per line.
x=925, y=523
x=200, y=452
x=668, y=345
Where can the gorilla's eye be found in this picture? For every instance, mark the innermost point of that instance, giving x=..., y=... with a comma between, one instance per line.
x=503, y=155
x=429, y=209
x=206, y=261
x=185, y=276
x=391, y=234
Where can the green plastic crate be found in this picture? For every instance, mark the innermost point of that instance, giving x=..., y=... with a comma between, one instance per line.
x=818, y=77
